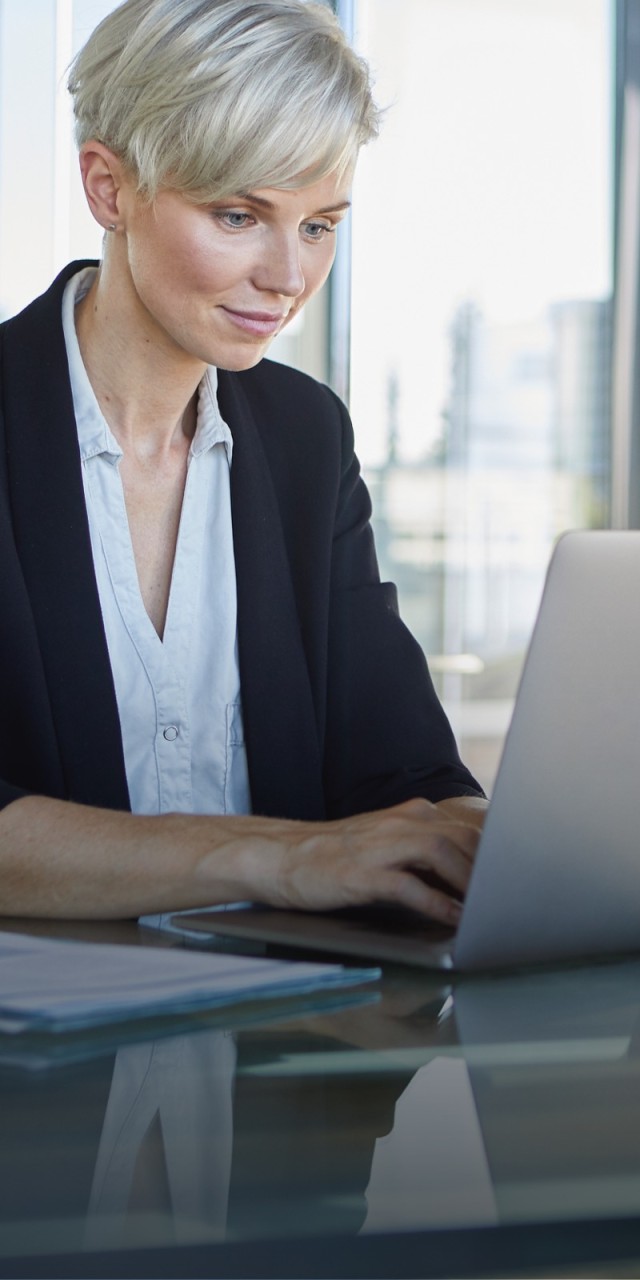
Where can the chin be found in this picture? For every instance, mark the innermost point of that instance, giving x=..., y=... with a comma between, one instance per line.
x=240, y=360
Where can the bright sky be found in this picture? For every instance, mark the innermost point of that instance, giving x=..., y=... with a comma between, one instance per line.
x=491, y=180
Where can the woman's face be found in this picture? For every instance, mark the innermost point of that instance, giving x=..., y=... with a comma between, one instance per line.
x=218, y=282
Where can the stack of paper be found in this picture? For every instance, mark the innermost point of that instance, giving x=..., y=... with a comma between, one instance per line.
x=48, y=985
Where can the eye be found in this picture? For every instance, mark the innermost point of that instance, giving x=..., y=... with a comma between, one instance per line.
x=317, y=231
x=234, y=219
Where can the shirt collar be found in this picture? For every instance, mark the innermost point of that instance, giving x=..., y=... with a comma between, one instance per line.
x=94, y=434
x=210, y=426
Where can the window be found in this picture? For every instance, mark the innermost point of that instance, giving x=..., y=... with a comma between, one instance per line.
x=481, y=322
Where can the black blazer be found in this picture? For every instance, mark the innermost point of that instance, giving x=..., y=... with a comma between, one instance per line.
x=340, y=714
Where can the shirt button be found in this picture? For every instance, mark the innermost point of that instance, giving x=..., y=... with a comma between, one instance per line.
x=171, y=732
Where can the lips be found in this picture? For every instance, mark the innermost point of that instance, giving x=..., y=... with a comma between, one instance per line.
x=261, y=323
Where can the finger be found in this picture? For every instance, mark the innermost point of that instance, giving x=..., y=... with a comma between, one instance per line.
x=453, y=836
x=468, y=809
x=403, y=834
x=434, y=858
x=450, y=864
x=462, y=830
x=466, y=836
x=405, y=889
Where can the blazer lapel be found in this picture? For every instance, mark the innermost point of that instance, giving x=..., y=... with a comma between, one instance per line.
x=285, y=765
x=53, y=543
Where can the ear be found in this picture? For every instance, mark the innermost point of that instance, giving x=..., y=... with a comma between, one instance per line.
x=102, y=178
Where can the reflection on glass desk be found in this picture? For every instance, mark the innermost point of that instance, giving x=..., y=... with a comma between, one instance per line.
x=442, y=1129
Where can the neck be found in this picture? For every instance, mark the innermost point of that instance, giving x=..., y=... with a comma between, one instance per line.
x=145, y=386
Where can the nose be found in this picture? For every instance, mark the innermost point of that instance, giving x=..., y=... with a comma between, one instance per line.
x=280, y=270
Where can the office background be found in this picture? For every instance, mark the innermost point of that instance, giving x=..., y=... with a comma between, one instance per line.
x=491, y=257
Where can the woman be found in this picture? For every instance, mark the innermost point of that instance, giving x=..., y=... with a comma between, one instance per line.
x=207, y=695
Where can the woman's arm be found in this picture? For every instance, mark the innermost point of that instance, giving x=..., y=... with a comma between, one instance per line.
x=59, y=859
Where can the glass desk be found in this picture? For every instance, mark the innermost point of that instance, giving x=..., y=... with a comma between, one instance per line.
x=426, y=1128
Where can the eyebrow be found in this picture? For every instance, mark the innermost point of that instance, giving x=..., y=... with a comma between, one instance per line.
x=268, y=204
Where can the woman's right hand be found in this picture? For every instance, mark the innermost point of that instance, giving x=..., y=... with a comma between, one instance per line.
x=413, y=855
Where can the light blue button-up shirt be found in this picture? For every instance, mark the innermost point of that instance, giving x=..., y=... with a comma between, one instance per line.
x=179, y=697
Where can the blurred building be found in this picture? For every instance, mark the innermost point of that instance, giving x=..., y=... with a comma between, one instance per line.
x=467, y=532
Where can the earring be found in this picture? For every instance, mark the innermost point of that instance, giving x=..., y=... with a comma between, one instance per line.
x=112, y=227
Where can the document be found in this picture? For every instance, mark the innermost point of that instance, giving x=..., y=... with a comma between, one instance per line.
x=51, y=985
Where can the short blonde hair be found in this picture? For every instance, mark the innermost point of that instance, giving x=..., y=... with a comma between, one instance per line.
x=218, y=97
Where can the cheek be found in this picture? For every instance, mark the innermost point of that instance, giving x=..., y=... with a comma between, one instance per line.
x=316, y=268
x=212, y=276
x=179, y=263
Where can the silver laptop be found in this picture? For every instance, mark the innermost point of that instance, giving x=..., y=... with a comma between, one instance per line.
x=557, y=873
